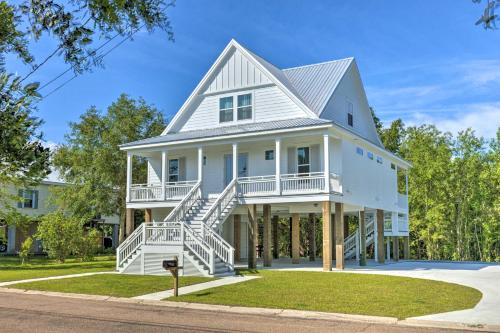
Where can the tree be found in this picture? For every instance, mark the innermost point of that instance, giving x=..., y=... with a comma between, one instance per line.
x=393, y=136
x=92, y=162
x=488, y=18
x=25, y=251
x=376, y=120
x=76, y=26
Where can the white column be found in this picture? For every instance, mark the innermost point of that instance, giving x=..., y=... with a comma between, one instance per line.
x=326, y=160
x=200, y=164
x=163, y=174
x=235, y=160
x=129, y=174
x=277, y=158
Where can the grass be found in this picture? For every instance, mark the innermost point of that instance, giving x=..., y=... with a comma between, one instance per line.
x=12, y=270
x=118, y=285
x=376, y=295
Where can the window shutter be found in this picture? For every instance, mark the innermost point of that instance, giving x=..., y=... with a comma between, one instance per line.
x=20, y=203
x=182, y=169
x=314, y=158
x=35, y=199
x=292, y=160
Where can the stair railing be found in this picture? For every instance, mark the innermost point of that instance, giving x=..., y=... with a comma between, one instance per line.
x=129, y=246
x=194, y=242
x=223, y=200
x=222, y=248
x=180, y=211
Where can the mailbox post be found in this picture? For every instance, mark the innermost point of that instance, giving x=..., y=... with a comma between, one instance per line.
x=173, y=266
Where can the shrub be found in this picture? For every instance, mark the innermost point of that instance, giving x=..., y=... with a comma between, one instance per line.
x=88, y=245
x=25, y=249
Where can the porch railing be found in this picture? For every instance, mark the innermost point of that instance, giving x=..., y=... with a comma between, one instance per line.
x=256, y=185
x=303, y=182
x=153, y=192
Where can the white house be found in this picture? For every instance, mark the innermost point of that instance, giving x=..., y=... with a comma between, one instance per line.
x=306, y=145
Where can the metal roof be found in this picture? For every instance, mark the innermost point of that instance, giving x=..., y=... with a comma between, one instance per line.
x=231, y=130
x=316, y=83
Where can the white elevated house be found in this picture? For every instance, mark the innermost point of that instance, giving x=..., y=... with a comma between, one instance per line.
x=253, y=141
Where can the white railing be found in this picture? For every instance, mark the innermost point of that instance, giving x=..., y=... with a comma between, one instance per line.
x=256, y=185
x=178, y=190
x=222, y=248
x=303, y=182
x=223, y=200
x=178, y=214
x=197, y=245
x=403, y=201
x=129, y=246
x=163, y=234
x=402, y=223
x=145, y=192
x=351, y=244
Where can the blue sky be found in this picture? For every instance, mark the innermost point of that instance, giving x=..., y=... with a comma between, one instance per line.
x=422, y=61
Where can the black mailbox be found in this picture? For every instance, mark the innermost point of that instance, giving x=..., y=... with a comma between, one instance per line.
x=172, y=265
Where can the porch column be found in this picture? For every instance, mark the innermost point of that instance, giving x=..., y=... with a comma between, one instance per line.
x=277, y=159
x=129, y=175
x=326, y=160
x=237, y=237
x=362, y=238
x=129, y=222
x=327, y=236
x=395, y=248
x=312, y=237
x=147, y=215
x=290, y=236
x=235, y=160
x=276, y=250
x=200, y=164
x=379, y=251
x=339, y=235
x=295, y=238
x=406, y=247
x=268, y=259
x=164, y=174
x=253, y=236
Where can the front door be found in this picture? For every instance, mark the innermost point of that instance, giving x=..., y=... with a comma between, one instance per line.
x=228, y=167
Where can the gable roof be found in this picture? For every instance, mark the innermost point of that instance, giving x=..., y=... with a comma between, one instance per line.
x=316, y=83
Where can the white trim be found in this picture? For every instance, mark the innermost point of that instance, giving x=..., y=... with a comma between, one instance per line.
x=326, y=161
x=129, y=175
x=277, y=158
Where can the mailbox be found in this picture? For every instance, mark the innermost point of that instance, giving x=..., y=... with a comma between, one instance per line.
x=172, y=265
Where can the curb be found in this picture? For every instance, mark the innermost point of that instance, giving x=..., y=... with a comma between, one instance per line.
x=285, y=313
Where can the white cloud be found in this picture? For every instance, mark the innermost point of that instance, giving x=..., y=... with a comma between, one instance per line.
x=481, y=72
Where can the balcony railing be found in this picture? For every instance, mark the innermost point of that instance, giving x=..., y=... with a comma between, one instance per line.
x=403, y=201
x=257, y=185
x=303, y=182
x=153, y=192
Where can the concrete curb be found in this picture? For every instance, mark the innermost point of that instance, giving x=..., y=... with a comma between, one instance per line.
x=317, y=315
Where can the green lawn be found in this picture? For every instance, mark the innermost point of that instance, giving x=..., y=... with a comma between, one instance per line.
x=12, y=270
x=118, y=285
x=376, y=295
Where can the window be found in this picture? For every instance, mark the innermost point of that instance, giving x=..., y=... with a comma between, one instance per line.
x=226, y=109
x=350, y=117
x=269, y=155
x=173, y=170
x=359, y=151
x=204, y=160
x=393, y=166
x=303, y=164
x=379, y=159
x=29, y=199
x=370, y=155
x=245, y=107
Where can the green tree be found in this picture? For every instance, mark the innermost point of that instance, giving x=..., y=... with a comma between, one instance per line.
x=393, y=136
x=25, y=251
x=92, y=162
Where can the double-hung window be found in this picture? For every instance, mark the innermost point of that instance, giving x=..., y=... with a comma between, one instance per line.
x=29, y=199
x=226, y=109
x=245, y=107
x=173, y=170
x=350, y=114
x=303, y=161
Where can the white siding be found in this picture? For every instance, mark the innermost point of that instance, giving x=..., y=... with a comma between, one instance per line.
x=154, y=171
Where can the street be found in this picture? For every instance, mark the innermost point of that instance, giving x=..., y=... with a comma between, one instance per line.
x=38, y=313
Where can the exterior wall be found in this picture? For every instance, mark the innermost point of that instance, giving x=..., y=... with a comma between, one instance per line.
x=43, y=200
x=351, y=89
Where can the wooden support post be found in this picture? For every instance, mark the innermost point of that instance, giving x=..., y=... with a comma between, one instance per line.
x=406, y=247
x=312, y=237
x=148, y=215
x=295, y=238
x=395, y=248
x=253, y=236
x=346, y=226
x=332, y=218
x=339, y=235
x=362, y=238
x=327, y=236
x=379, y=251
x=237, y=237
x=267, y=236
x=129, y=222
x=276, y=250
x=290, y=237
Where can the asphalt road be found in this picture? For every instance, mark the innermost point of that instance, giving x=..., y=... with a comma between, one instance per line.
x=38, y=313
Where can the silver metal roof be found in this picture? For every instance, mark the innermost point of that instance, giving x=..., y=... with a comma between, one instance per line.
x=316, y=83
x=231, y=130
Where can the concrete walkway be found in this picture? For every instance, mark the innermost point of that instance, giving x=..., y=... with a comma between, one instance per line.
x=9, y=283
x=196, y=287
x=482, y=276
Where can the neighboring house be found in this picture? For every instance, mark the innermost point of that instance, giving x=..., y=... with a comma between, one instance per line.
x=36, y=204
x=306, y=145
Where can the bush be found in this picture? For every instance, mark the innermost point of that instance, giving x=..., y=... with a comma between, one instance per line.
x=25, y=249
x=88, y=245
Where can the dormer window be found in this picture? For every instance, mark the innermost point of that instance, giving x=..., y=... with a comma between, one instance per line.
x=245, y=107
x=350, y=115
x=226, y=109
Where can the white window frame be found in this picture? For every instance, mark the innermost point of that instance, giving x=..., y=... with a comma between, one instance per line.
x=360, y=151
x=271, y=152
x=251, y=107
x=220, y=110
x=350, y=105
x=235, y=120
x=173, y=174
x=33, y=199
x=309, y=160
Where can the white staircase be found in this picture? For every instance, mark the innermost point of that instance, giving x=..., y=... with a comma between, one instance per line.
x=351, y=243
x=186, y=234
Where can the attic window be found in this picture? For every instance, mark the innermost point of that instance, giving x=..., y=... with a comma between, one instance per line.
x=226, y=109
x=245, y=107
x=350, y=116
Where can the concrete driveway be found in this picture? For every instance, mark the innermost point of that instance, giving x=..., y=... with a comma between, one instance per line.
x=483, y=276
